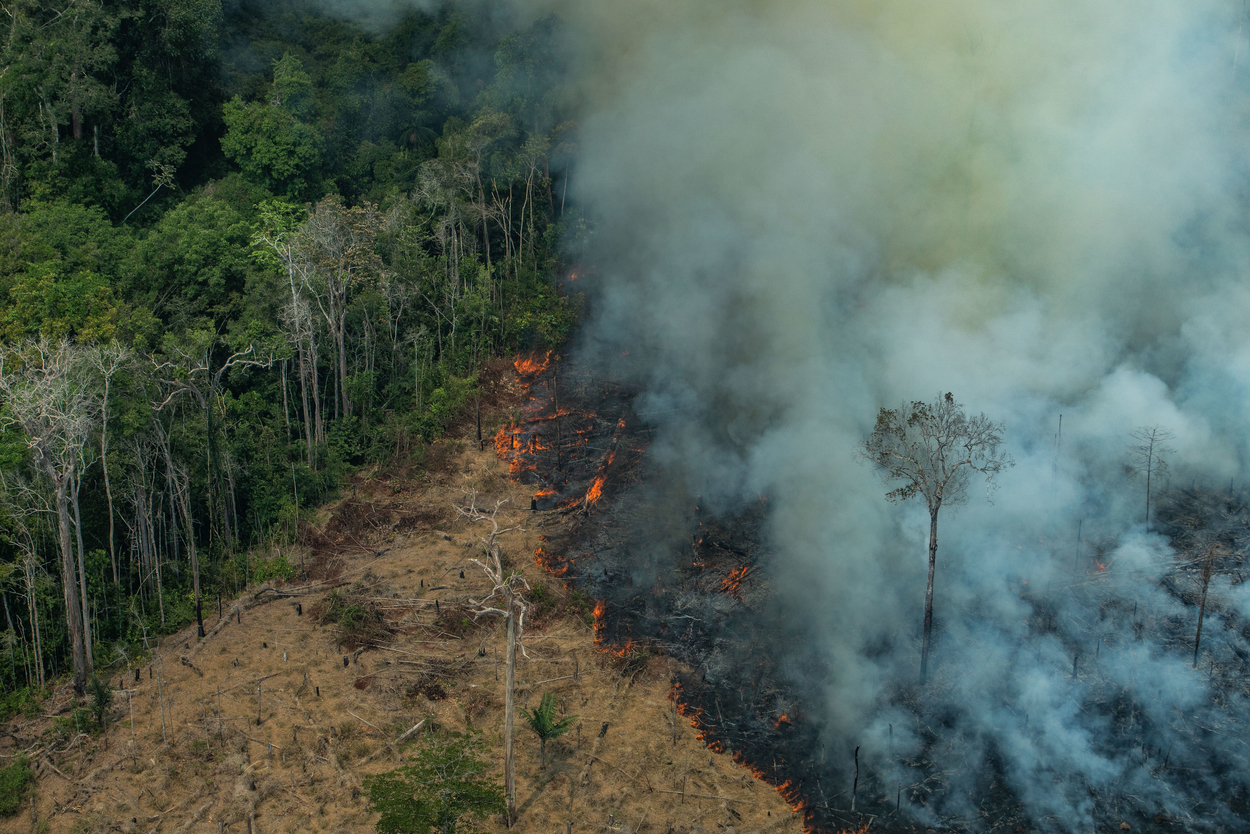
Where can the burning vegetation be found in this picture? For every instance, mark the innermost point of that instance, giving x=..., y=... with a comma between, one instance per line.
x=669, y=574
x=566, y=451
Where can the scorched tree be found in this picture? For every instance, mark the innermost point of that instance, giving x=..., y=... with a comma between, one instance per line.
x=932, y=450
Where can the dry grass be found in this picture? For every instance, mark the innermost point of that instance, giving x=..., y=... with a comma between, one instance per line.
x=331, y=701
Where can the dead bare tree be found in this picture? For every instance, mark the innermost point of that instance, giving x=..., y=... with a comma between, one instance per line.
x=46, y=390
x=506, y=589
x=933, y=449
x=190, y=370
x=1208, y=563
x=23, y=508
x=108, y=360
x=337, y=244
x=1147, y=457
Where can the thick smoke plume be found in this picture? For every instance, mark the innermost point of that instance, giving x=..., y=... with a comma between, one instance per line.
x=805, y=211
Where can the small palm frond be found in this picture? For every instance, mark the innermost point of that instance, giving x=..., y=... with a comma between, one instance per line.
x=542, y=719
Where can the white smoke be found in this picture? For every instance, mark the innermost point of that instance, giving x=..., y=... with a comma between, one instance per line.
x=805, y=211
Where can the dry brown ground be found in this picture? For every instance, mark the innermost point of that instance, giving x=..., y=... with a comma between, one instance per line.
x=398, y=542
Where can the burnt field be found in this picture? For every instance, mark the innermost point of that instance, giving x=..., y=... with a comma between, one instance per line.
x=673, y=577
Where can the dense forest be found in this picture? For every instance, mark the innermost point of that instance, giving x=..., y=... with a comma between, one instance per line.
x=247, y=247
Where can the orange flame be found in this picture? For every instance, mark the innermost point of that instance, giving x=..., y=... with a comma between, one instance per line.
x=788, y=790
x=595, y=491
x=732, y=583
x=532, y=365
x=556, y=565
x=601, y=610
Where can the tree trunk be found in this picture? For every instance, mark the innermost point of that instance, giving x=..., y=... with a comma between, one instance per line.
x=73, y=609
x=309, y=426
x=340, y=336
x=181, y=496
x=104, y=465
x=88, y=640
x=1149, y=468
x=928, y=597
x=509, y=710
x=28, y=571
x=1202, y=608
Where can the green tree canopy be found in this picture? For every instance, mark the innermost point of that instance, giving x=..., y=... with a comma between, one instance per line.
x=446, y=789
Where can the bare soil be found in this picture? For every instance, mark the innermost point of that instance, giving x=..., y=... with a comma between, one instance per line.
x=271, y=723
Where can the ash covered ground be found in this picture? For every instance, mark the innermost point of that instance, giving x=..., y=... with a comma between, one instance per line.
x=675, y=577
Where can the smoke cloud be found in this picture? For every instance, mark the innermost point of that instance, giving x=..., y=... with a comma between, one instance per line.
x=805, y=210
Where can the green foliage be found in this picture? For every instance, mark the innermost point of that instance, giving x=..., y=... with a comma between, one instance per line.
x=445, y=789
x=584, y=606
x=446, y=404
x=542, y=601
x=359, y=622
x=78, y=306
x=542, y=720
x=145, y=143
x=16, y=780
x=271, y=146
x=78, y=721
x=101, y=700
x=25, y=701
x=277, y=567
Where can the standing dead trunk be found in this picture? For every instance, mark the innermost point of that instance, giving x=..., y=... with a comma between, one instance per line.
x=73, y=609
x=1202, y=608
x=509, y=776
x=928, y=596
x=181, y=489
x=76, y=480
x=340, y=337
x=28, y=574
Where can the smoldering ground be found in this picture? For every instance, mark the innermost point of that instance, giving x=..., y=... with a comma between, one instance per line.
x=806, y=211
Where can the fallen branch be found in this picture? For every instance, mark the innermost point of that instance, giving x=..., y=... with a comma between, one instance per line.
x=366, y=723
x=707, y=796
x=55, y=770
x=411, y=730
x=389, y=745
x=298, y=592
x=641, y=773
x=549, y=680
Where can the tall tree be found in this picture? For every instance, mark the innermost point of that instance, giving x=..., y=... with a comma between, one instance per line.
x=1147, y=458
x=506, y=592
x=933, y=449
x=337, y=243
x=47, y=391
x=190, y=367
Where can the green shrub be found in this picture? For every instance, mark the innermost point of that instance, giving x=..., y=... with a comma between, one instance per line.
x=444, y=790
x=15, y=782
x=279, y=567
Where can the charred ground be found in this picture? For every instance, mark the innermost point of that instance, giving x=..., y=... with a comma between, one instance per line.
x=674, y=578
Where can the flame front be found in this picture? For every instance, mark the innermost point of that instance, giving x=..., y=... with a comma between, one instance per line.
x=532, y=365
x=732, y=583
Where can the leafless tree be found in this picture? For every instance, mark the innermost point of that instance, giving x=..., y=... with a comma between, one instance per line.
x=504, y=600
x=188, y=369
x=1147, y=455
x=337, y=245
x=278, y=238
x=23, y=508
x=108, y=360
x=47, y=391
x=933, y=449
